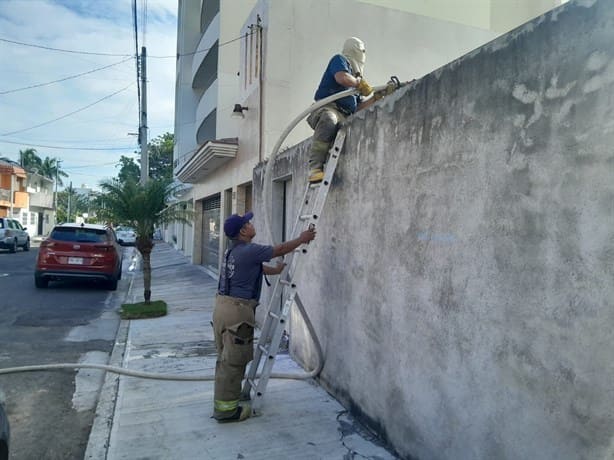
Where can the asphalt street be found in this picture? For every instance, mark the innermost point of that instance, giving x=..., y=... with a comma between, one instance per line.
x=51, y=412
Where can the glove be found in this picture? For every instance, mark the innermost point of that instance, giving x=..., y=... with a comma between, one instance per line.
x=364, y=88
x=390, y=88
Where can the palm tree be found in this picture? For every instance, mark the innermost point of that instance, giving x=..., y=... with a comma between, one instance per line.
x=29, y=160
x=142, y=207
x=50, y=169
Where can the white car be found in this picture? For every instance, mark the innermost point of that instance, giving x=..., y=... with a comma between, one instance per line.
x=126, y=236
x=13, y=235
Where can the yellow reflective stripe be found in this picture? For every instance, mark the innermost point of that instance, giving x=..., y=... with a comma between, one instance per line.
x=225, y=406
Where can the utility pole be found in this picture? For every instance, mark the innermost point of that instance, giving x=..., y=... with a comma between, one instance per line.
x=55, y=203
x=143, y=127
x=69, y=203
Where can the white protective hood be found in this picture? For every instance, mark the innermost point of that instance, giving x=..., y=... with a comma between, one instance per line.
x=354, y=51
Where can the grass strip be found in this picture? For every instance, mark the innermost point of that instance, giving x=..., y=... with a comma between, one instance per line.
x=142, y=310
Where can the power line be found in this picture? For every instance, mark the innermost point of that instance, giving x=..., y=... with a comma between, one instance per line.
x=68, y=114
x=89, y=166
x=66, y=148
x=206, y=49
x=62, y=50
x=175, y=56
x=65, y=78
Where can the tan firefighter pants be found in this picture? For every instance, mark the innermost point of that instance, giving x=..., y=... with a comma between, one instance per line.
x=233, y=326
x=325, y=123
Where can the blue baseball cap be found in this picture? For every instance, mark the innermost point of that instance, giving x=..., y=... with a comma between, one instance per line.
x=233, y=224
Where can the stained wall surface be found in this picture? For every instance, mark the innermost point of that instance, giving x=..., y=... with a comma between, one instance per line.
x=461, y=283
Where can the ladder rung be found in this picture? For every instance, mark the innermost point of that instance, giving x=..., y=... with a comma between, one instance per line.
x=313, y=201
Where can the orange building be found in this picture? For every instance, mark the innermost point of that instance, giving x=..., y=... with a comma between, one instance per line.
x=13, y=193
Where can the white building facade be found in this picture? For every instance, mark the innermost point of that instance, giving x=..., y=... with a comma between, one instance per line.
x=266, y=59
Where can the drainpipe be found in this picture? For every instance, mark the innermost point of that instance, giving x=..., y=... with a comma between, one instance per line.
x=260, y=95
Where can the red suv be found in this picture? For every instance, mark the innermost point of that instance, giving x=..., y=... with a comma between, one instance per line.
x=79, y=251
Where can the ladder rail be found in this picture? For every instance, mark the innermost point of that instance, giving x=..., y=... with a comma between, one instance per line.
x=273, y=327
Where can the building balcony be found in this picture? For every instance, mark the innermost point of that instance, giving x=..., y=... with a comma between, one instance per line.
x=5, y=198
x=41, y=200
x=21, y=200
x=209, y=156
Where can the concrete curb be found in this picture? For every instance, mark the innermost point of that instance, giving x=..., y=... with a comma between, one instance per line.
x=98, y=441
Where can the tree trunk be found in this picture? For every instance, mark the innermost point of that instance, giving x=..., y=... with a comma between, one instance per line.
x=145, y=245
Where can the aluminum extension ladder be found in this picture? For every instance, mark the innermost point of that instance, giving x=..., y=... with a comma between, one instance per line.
x=277, y=312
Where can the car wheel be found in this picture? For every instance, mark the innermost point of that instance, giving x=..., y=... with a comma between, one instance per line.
x=13, y=247
x=112, y=284
x=40, y=282
x=26, y=247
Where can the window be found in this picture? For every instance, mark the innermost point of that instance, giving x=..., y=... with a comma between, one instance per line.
x=209, y=10
x=32, y=218
x=211, y=232
x=79, y=235
x=24, y=218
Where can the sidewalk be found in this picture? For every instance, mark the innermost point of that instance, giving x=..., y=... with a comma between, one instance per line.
x=152, y=419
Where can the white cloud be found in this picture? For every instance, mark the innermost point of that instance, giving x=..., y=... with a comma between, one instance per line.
x=96, y=26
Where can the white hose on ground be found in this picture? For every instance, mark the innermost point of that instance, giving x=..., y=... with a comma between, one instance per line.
x=132, y=373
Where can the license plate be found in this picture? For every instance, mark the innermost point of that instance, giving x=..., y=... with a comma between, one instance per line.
x=75, y=260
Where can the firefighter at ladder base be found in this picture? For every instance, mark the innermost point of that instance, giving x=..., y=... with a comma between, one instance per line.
x=344, y=71
x=235, y=305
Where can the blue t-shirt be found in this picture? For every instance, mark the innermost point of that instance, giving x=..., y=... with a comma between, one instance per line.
x=329, y=86
x=242, y=268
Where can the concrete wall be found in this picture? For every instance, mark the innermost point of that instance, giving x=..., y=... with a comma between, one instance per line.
x=461, y=281
x=495, y=15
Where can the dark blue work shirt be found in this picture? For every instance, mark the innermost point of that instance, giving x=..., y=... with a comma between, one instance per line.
x=241, y=273
x=329, y=86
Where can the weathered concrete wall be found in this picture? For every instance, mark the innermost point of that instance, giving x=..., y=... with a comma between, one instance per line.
x=462, y=279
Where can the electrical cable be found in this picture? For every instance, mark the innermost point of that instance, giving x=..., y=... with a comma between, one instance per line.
x=68, y=114
x=63, y=50
x=174, y=56
x=65, y=78
x=65, y=148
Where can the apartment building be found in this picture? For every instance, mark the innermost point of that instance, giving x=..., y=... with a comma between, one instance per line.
x=27, y=197
x=40, y=215
x=13, y=193
x=246, y=68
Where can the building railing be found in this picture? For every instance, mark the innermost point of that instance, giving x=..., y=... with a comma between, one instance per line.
x=42, y=200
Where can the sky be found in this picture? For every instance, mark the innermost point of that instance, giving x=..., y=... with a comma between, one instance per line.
x=83, y=121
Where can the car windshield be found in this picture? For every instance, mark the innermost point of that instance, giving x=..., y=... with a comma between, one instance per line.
x=79, y=235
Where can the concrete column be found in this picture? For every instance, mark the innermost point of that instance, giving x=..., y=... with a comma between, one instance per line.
x=197, y=252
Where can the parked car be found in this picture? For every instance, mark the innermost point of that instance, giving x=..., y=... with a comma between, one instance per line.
x=13, y=235
x=126, y=236
x=79, y=251
x=5, y=435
